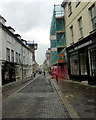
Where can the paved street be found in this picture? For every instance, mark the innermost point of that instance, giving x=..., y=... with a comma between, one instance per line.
x=39, y=99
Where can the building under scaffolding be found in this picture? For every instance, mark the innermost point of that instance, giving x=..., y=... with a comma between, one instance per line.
x=58, y=44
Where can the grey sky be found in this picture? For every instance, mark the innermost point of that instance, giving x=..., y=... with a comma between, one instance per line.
x=31, y=19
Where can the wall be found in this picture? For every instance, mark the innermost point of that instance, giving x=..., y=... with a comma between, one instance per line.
x=81, y=10
x=22, y=67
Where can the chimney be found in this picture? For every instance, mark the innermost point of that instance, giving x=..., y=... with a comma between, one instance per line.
x=18, y=36
x=24, y=41
x=2, y=20
x=11, y=29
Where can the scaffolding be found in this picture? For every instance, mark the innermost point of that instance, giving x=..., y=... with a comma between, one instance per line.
x=57, y=35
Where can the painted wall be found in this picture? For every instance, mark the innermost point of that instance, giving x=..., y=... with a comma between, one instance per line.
x=7, y=40
x=81, y=10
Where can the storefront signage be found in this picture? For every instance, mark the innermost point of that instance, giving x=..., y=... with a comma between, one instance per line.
x=85, y=44
x=81, y=46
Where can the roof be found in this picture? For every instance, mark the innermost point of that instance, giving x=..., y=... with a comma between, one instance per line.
x=2, y=18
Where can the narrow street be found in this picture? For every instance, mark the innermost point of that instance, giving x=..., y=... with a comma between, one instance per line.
x=39, y=99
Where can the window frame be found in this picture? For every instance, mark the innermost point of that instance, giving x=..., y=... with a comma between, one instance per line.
x=80, y=23
x=72, y=34
x=69, y=9
x=78, y=2
x=93, y=16
x=17, y=57
x=12, y=55
x=7, y=54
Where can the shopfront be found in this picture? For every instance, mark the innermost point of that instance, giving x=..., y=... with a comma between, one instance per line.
x=8, y=73
x=82, y=60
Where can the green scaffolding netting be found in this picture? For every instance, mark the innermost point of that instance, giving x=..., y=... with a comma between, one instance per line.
x=57, y=29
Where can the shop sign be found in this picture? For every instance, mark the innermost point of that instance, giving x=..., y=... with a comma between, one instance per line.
x=85, y=44
x=81, y=46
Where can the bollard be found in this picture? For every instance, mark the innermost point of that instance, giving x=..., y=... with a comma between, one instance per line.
x=57, y=78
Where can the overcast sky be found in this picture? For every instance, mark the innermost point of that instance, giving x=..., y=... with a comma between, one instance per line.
x=31, y=19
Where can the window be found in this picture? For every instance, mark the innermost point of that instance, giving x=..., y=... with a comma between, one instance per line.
x=7, y=54
x=80, y=27
x=93, y=16
x=69, y=8
x=19, y=58
x=72, y=35
x=78, y=2
x=12, y=55
x=93, y=62
x=83, y=59
x=16, y=57
x=23, y=59
x=74, y=64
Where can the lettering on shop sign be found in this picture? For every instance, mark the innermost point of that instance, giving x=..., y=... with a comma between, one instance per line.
x=85, y=44
x=81, y=46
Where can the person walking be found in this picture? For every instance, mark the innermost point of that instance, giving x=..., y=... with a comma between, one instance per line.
x=44, y=73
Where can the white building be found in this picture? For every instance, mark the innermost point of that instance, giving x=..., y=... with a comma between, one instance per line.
x=15, y=55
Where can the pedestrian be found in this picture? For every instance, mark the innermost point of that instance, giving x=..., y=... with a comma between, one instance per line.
x=34, y=74
x=44, y=73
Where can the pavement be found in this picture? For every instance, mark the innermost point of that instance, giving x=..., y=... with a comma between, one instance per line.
x=80, y=96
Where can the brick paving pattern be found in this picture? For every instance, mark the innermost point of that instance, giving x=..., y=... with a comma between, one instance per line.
x=37, y=100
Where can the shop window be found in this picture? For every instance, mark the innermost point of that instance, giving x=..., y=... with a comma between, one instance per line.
x=17, y=71
x=83, y=66
x=93, y=16
x=7, y=54
x=93, y=62
x=74, y=64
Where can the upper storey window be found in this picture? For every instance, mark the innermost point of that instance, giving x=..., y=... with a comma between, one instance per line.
x=7, y=54
x=69, y=8
x=93, y=16
x=80, y=27
x=77, y=2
